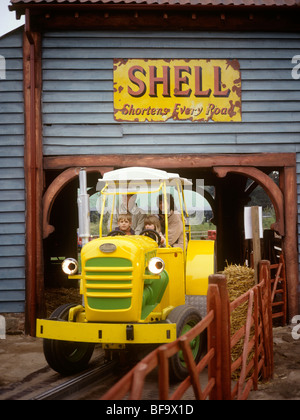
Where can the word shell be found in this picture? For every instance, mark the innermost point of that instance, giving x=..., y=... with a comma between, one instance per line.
x=162, y=90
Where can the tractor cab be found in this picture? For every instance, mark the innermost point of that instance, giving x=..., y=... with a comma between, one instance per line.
x=140, y=285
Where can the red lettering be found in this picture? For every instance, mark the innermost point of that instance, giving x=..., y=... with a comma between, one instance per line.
x=179, y=81
x=218, y=93
x=199, y=92
x=154, y=80
x=136, y=81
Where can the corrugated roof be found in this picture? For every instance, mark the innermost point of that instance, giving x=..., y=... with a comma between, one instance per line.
x=167, y=2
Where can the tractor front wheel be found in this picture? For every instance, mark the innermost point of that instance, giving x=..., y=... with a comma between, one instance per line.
x=66, y=357
x=185, y=317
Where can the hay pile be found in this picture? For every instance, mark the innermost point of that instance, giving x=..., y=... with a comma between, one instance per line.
x=239, y=280
x=59, y=296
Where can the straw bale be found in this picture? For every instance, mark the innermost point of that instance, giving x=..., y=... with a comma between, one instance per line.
x=239, y=280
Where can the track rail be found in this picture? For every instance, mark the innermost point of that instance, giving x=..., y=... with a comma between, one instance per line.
x=88, y=379
x=46, y=384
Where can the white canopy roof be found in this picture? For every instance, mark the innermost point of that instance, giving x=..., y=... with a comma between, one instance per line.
x=140, y=174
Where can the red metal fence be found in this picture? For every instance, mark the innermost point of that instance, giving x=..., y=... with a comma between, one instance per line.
x=254, y=363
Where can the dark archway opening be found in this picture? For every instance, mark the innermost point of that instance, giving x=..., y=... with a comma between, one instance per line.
x=227, y=197
x=62, y=242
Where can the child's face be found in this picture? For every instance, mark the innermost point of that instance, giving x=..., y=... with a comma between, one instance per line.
x=150, y=227
x=124, y=224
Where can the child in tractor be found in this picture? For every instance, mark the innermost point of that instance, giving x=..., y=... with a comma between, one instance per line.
x=125, y=223
x=152, y=222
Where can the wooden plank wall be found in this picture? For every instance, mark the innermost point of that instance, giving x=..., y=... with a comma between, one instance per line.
x=12, y=194
x=78, y=93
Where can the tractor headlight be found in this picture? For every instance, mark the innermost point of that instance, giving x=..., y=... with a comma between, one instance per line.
x=70, y=266
x=156, y=265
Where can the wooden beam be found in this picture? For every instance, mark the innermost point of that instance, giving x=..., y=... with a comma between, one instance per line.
x=33, y=166
x=160, y=17
x=263, y=160
x=290, y=244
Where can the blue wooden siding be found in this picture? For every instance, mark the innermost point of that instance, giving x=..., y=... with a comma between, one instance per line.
x=12, y=195
x=78, y=94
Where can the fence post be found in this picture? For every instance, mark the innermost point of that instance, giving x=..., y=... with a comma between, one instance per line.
x=214, y=341
x=163, y=373
x=220, y=281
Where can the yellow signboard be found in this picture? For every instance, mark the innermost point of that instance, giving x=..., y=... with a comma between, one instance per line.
x=162, y=90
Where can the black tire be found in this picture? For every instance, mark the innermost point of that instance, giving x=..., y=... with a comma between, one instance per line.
x=66, y=357
x=185, y=317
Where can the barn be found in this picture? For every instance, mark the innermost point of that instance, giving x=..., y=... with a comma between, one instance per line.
x=233, y=120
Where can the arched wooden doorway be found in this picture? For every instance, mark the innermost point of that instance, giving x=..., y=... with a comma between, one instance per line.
x=251, y=166
x=54, y=189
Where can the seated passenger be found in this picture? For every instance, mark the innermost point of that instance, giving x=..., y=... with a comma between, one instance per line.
x=175, y=226
x=128, y=205
x=153, y=223
x=124, y=224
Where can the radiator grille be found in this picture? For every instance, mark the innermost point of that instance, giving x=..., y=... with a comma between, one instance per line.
x=109, y=283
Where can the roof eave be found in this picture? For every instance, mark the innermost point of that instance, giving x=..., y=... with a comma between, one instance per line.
x=21, y=7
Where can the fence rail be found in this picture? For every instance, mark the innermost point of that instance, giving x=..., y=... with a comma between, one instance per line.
x=255, y=361
x=279, y=292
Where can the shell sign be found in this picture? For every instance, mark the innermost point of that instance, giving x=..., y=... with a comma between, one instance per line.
x=162, y=90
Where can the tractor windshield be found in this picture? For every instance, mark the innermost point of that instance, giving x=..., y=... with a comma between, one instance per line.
x=143, y=192
x=142, y=199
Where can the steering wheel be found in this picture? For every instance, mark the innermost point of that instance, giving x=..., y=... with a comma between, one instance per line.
x=152, y=234
x=116, y=233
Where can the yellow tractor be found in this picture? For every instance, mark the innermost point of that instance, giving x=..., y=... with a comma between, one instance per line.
x=134, y=290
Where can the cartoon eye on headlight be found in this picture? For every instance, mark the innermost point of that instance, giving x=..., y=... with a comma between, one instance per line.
x=156, y=265
x=70, y=266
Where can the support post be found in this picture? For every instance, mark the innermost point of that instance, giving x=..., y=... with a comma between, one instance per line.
x=256, y=240
x=214, y=340
x=33, y=166
x=290, y=244
x=221, y=282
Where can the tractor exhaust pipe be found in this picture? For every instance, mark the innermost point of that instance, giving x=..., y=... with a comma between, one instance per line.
x=83, y=208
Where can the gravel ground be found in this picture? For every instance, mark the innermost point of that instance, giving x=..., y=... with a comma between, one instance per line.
x=286, y=382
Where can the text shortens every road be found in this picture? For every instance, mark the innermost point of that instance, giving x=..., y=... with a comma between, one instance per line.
x=178, y=89
x=155, y=409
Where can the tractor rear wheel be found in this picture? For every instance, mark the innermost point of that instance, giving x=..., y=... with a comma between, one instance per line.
x=66, y=357
x=185, y=317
